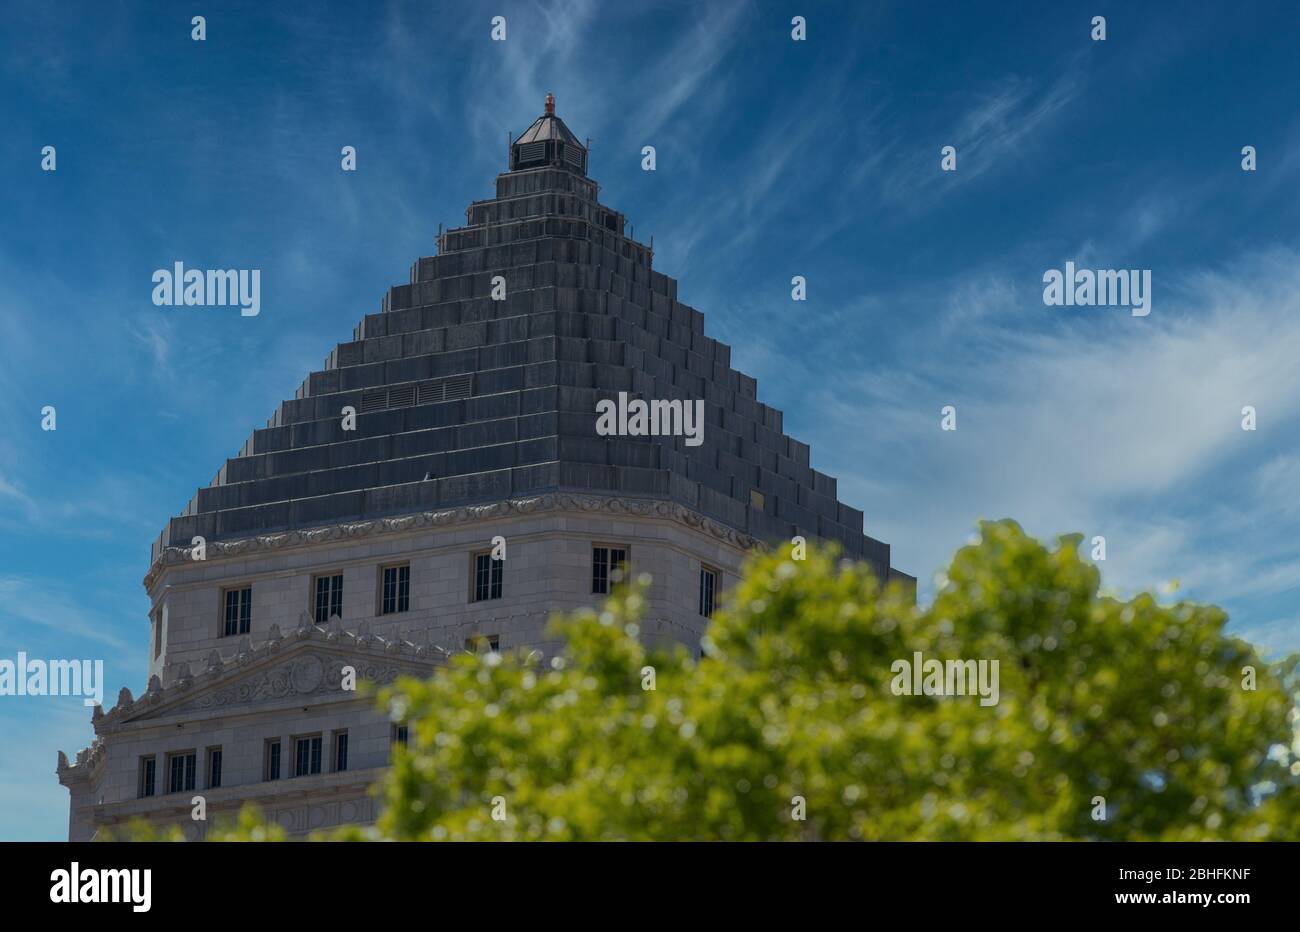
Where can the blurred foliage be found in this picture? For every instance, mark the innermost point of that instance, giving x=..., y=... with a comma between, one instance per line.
x=248, y=825
x=1134, y=701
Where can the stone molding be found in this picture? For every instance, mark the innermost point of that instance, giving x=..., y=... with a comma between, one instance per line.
x=277, y=668
x=538, y=504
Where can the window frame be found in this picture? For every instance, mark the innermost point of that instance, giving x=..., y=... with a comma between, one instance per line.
x=147, y=782
x=601, y=574
x=243, y=620
x=334, y=594
x=213, y=757
x=495, y=582
x=339, y=751
x=315, y=742
x=272, y=759
x=401, y=596
x=188, y=770
x=708, y=593
x=156, y=616
x=493, y=642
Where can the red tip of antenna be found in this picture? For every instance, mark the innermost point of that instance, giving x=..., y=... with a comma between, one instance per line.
x=550, y=105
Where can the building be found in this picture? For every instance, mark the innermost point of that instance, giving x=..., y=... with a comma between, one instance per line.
x=356, y=529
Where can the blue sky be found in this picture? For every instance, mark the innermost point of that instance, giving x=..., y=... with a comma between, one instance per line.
x=775, y=159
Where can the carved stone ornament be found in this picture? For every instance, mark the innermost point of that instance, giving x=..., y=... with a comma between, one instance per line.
x=554, y=501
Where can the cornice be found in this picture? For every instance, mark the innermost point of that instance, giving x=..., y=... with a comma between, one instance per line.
x=375, y=527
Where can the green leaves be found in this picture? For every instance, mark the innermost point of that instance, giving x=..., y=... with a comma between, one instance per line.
x=1136, y=702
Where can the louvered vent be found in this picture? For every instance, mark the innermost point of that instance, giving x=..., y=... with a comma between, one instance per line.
x=573, y=156
x=403, y=396
x=449, y=389
x=459, y=386
x=532, y=150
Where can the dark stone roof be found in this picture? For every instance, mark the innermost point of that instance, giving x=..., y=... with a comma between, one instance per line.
x=548, y=126
x=462, y=399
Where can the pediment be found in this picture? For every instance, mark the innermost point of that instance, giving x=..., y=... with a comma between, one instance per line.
x=307, y=664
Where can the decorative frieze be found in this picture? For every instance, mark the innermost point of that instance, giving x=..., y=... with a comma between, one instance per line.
x=538, y=504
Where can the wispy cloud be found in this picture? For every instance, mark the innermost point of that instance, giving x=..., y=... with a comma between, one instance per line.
x=1121, y=427
x=675, y=81
x=54, y=623
x=996, y=127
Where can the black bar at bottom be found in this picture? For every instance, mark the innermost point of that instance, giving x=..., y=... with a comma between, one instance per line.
x=337, y=881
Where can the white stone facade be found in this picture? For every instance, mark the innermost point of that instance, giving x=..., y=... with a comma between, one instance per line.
x=281, y=681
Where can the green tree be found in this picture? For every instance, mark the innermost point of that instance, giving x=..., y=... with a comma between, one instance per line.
x=1136, y=702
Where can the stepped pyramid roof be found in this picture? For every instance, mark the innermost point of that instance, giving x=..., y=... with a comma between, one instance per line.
x=464, y=400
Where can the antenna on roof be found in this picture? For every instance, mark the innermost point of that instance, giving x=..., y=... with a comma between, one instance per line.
x=550, y=104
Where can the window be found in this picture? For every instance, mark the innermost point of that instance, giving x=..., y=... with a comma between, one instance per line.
x=239, y=611
x=329, y=598
x=180, y=775
x=271, y=758
x=483, y=643
x=708, y=586
x=487, y=577
x=340, y=750
x=214, y=768
x=148, y=771
x=306, y=756
x=395, y=590
x=400, y=735
x=606, y=568
x=157, y=632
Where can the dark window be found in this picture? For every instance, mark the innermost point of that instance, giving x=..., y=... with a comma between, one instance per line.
x=340, y=750
x=214, y=768
x=483, y=643
x=273, y=760
x=181, y=769
x=307, y=756
x=606, y=567
x=148, y=771
x=329, y=598
x=487, y=577
x=157, y=633
x=239, y=611
x=400, y=735
x=396, y=590
x=708, y=584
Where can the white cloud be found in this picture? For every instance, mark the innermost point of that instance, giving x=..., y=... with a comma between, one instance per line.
x=1100, y=423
